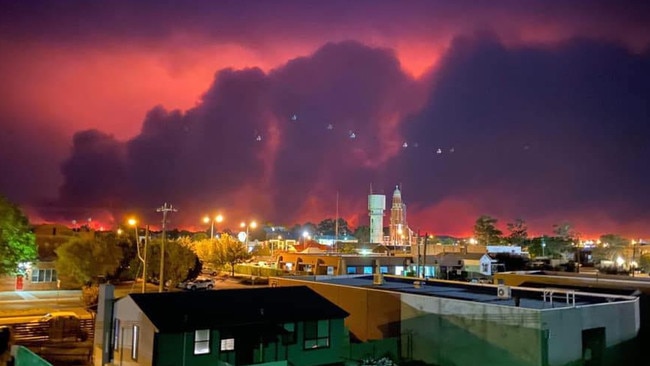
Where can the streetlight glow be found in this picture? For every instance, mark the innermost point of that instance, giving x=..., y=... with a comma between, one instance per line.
x=207, y=219
x=252, y=224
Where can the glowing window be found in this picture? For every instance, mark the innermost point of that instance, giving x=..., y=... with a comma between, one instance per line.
x=201, y=341
x=228, y=344
x=134, y=342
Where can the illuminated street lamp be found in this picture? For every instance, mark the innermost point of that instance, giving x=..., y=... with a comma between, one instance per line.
x=217, y=219
x=252, y=224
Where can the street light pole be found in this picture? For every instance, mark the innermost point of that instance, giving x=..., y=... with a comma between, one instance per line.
x=143, y=258
x=164, y=209
x=217, y=218
x=252, y=224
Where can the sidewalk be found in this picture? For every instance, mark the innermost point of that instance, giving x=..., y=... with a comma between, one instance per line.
x=36, y=295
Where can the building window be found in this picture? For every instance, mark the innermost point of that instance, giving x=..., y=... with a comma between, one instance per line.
x=399, y=270
x=367, y=270
x=134, y=342
x=352, y=270
x=383, y=269
x=317, y=334
x=116, y=334
x=201, y=341
x=228, y=344
x=289, y=337
x=44, y=275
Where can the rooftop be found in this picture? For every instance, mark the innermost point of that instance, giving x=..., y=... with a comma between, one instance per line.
x=530, y=298
x=185, y=311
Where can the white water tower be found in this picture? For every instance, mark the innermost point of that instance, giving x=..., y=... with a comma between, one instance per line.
x=376, y=207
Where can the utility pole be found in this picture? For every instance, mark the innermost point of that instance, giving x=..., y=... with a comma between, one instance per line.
x=424, y=256
x=418, y=259
x=336, y=225
x=144, y=266
x=164, y=209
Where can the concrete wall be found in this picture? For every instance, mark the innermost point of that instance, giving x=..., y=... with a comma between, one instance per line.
x=620, y=320
x=441, y=332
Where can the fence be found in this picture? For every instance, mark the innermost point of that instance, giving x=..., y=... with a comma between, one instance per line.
x=60, y=342
x=258, y=271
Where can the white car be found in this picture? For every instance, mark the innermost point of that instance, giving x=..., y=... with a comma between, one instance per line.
x=200, y=284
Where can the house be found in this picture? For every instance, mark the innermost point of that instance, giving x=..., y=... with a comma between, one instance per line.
x=41, y=274
x=222, y=327
x=490, y=265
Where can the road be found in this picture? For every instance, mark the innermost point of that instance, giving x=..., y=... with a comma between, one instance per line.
x=25, y=306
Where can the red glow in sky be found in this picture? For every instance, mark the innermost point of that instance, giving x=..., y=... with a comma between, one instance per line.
x=79, y=68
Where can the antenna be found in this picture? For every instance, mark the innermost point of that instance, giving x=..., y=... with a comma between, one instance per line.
x=370, y=188
x=164, y=209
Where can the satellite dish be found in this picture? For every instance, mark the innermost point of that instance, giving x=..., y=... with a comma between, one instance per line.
x=259, y=138
x=352, y=135
x=294, y=117
x=405, y=145
x=330, y=127
x=439, y=151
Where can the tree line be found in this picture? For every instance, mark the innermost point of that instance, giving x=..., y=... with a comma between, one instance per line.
x=563, y=240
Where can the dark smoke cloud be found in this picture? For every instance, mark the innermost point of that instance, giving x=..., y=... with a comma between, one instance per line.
x=535, y=132
x=264, y=145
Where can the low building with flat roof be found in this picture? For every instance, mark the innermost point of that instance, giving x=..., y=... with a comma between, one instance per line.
x=452, y=323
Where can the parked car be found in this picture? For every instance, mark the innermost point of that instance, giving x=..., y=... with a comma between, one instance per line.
x=59, y=315
x=200, y=284
x=209, y=271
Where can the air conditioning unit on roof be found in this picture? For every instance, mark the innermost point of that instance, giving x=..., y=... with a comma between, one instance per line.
x=504, y=292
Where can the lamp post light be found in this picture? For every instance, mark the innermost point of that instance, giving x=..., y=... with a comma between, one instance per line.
x=143, y=256
x=252, y=224
x=217, y=219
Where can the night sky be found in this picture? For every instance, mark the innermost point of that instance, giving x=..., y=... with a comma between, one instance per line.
x=265, y=109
